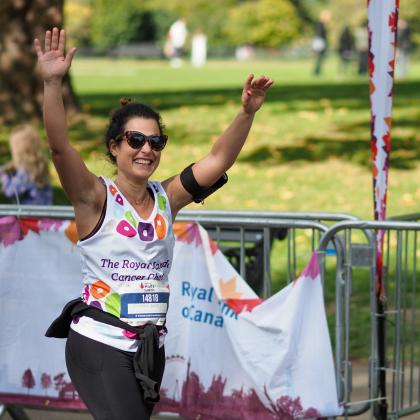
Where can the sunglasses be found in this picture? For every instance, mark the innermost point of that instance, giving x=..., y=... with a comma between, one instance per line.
x=136, y=140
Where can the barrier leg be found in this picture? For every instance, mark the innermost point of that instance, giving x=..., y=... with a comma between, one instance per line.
x=382, y=407
x=17, y=413
x=2, y=410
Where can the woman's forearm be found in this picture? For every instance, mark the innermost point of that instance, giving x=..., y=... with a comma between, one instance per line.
x=229, y=144
x=55, y=116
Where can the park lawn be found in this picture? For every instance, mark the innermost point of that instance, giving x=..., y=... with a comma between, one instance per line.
x=309, y=148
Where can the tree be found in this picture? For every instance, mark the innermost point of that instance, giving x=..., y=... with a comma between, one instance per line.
x=78, y=16
x=348, y=13
x=46, y=381
x=28, y=380
x=410, y=11
x=354, y=13
x=210, y=17
x=114, y=23
x=20, y=86
x=268, y=23
x=302, y=10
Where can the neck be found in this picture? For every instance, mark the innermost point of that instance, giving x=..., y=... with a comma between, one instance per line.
x=135, y=192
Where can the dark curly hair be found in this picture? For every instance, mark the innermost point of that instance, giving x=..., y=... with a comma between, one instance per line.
x=121, y=115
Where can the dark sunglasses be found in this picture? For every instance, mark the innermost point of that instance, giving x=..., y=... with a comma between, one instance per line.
x=136, y=140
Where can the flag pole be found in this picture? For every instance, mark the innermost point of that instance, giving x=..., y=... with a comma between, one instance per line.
x=382, y=33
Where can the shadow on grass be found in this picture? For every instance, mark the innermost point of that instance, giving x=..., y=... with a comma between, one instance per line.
x=81, y=132
x=4, y=199
x=398, y=122
x=352, y=95
x=405, y=153
x=59, y=197
x=299, y=97
x=4, y=153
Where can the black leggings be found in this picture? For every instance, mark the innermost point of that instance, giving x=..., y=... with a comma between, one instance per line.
x=104, y=378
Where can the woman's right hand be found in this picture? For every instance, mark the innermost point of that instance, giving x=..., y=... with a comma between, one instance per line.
x=52, y=62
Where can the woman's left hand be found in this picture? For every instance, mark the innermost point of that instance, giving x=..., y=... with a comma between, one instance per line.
x=253, y=94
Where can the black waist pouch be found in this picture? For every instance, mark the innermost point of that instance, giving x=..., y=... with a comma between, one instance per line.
x=148, y=336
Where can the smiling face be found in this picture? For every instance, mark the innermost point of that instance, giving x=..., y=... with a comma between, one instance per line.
x=137, y=163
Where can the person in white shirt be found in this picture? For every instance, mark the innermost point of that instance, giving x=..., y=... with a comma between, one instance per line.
x=199, y=49
x=177, y=36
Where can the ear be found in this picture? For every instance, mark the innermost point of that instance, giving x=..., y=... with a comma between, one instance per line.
x=114, y=147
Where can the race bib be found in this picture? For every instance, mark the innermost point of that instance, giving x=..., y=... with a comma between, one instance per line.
x=140, y=308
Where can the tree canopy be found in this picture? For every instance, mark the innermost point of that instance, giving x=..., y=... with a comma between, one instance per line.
x=105, y=24
x=269, y=23
x=225, y=22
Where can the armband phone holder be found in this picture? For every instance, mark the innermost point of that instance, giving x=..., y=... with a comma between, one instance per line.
x=197, y=192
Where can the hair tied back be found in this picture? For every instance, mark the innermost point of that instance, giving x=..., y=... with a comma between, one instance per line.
x=125, y=101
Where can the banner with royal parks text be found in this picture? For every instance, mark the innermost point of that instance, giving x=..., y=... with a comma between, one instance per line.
x=228, y=353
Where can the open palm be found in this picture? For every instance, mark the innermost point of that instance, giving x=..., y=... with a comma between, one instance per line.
x=52, y=62
x=253, y=94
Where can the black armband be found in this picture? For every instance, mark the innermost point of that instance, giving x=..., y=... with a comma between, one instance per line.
x=197, y=192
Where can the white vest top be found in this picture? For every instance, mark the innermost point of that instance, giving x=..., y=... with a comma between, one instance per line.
x=125, y=267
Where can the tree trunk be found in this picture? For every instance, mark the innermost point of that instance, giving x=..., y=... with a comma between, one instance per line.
x=303, y=11
x=20, y=84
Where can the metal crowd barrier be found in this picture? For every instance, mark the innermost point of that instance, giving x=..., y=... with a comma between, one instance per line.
x=246, y=238
x=235, y=231
x=411, y=217
x=398, y=376
x=251, y=242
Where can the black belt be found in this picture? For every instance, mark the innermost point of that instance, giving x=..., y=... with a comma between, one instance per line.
x=148, y=336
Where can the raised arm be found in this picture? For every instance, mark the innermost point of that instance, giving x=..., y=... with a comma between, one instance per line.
x=227, y=147
x=81, y=186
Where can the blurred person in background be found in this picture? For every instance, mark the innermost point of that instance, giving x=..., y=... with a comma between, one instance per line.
x=26, y=179
x=404, y=46
x=346, y=48
x=177, y=37
x=199, y=49
x=320, y=41
x=245, y=52
x=362, y=47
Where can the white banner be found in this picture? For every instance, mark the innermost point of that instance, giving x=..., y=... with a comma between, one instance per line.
x=228, y=354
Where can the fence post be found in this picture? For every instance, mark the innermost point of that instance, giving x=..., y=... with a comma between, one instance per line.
x=266, y=253
x=16, y=413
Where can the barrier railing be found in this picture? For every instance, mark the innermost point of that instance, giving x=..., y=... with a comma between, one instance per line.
x=401, y=370
x=290, y=234
x=246, y=238
x=410, y=217
x=251, y=242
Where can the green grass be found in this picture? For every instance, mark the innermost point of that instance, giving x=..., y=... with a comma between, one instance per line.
x=309, y=147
